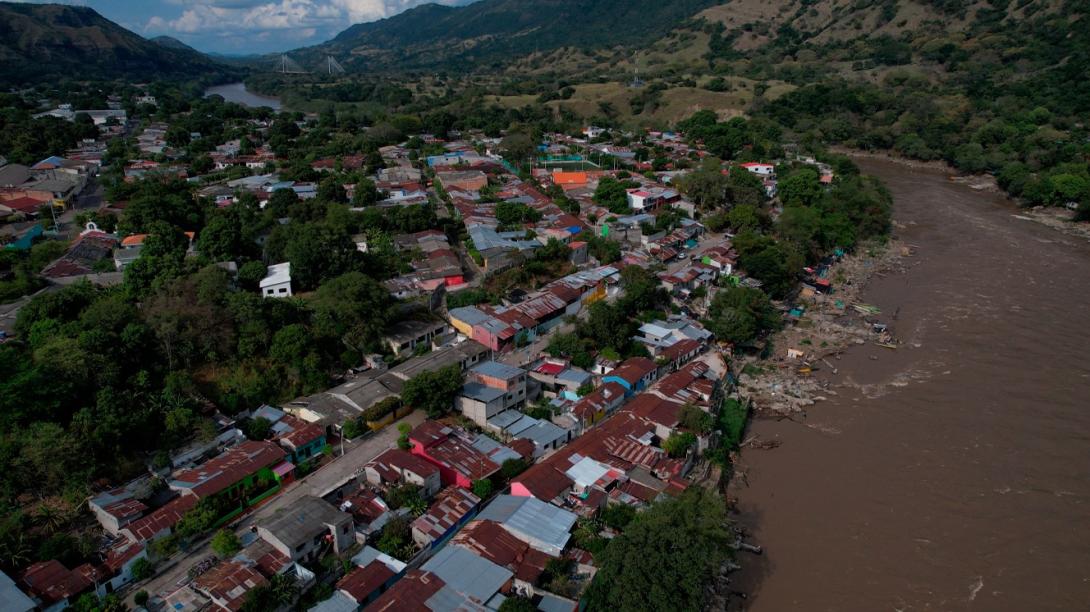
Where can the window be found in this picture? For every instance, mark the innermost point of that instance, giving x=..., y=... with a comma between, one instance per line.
x=283, y=290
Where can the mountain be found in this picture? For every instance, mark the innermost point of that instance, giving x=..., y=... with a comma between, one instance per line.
x=496, y=30
x=50, y=41
x=172, y=43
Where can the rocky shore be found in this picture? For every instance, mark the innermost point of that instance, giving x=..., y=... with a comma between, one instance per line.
x=785, y=383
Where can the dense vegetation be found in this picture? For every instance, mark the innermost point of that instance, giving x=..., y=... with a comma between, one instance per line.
x=667, y=558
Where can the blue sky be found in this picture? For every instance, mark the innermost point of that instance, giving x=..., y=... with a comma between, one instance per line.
x=247, y=26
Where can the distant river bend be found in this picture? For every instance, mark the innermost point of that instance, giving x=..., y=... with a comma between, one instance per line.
x=237, y=92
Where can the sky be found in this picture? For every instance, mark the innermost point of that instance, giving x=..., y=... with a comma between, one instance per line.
x=247, y=26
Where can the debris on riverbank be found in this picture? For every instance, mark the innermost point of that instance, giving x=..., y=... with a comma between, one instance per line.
x=783, y=384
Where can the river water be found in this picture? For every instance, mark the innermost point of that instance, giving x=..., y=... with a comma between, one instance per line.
x=237, y=92
x=954, y=475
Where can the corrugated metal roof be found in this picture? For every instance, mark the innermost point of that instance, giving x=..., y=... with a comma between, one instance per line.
x=543, y=526
x=495, y=369
x=467, y=573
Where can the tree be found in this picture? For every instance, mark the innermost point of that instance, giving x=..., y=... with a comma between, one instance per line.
x=226, y=544
x=613, y=194
x=482, y=488
x=517, y=146
x=513, y=467
x=695, y=419
x=666, y=557
x=434, y=392
x=801, y=188
x=608, y=325
x=352, y=309
x=706, y=188
x=366, y=193
x=740, y=314
x=618, y=516
x=331, y=190
x=142, y=569
x=517, y=604
x=318, y=252
x=679, y=443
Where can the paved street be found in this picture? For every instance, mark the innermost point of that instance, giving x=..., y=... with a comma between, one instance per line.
x=318, y=483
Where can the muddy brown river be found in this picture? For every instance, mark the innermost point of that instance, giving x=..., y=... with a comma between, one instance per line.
x=954, y=475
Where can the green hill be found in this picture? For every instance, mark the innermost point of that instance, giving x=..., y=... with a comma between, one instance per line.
x=491, y=31
x=50, y=41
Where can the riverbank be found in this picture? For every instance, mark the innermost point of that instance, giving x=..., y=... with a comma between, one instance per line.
x=787, y=382
x=1060, y=219
x=938, y=475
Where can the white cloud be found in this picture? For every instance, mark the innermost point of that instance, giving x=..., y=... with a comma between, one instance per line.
x=207, y=16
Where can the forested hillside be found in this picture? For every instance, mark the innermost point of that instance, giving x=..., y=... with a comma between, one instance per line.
x=52, y=41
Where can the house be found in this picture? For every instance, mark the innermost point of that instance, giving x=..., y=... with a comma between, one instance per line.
x=373, y=574
x=115, y=509
x=453, y=452
x=544, y=435
x=541, y=525
x=369, y=511
x=759, y=169
x=490, y=540
x=598, y=404
x=301, y=530
x=404, y=336
x=452, y=508
x=471, y=576
x=90, y=247
x=159, y=522
x=227, y=583
x=491, y=388
x=234, y=474
x=277, y=281
x=395, y=466
x=54, y=587
x=465, y=180
x=634, y=374
x=646, y=199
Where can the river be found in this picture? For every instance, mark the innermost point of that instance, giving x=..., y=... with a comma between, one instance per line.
x=952, y=475
x=237, y=92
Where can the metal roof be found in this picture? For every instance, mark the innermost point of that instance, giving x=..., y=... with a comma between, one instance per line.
x=481, y=393
x=496, y=369
x=543, y=526
x=339, y=602
x=467, y=573
x=11, y=598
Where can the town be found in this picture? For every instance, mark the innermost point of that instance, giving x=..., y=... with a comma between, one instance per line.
x=552, y=347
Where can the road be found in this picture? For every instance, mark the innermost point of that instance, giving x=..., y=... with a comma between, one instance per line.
x=318, y=483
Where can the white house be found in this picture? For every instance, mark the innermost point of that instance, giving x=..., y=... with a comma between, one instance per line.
x=760, y=169
x=277, y=281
